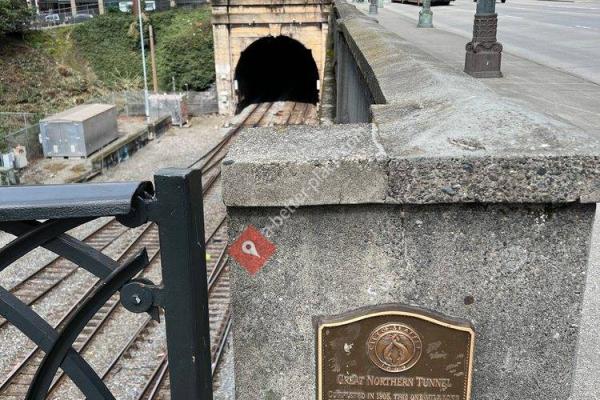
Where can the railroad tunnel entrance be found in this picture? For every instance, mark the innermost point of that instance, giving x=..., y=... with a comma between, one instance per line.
x=276, y=68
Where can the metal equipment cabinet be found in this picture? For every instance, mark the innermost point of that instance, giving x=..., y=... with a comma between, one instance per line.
x=174, y=105
x=79, y=131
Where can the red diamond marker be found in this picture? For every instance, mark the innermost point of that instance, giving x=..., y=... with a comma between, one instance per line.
x=251, y=250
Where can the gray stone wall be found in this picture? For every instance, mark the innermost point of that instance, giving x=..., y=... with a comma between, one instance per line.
x=353, y=100
x=354, y=92
x=516, y=271
x=452, y=199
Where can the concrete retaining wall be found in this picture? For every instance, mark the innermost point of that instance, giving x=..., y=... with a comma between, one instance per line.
x=354, y=97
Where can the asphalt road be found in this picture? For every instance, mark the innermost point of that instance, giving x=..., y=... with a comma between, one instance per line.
x=559, y=34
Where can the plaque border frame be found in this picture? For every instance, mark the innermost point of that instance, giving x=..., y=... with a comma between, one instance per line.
x=362, y=313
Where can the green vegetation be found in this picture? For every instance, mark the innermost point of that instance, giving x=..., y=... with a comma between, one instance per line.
x=106, y=43
x=14, y=16
x=46, y=71
x=184, y=49
x=41, y=73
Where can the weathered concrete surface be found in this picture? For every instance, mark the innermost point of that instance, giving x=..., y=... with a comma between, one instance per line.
x=277, y=167
x=586, y=375
x=524, y=266
x=398, y=164
x=536, y=86
x=360, y=164
x=442, y=137
x=452, y=199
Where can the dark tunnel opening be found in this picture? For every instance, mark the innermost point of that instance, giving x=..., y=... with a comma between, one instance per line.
x=276, y=69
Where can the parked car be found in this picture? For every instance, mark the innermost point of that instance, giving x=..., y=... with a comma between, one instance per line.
x=125, y=6
x=53, y=19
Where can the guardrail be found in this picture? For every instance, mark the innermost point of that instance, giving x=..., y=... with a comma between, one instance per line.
x=175, y=205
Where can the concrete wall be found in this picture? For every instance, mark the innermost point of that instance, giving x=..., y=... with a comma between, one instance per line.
x=526, y=286
x=353, y=101
x=465, y=204
x=354, y=96
x=237, y=24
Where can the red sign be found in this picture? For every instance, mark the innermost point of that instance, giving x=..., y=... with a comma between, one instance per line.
x=251, y=250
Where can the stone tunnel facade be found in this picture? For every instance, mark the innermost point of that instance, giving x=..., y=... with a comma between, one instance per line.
x=237, y=24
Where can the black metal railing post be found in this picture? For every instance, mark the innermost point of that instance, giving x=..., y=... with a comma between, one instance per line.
x=180, y=217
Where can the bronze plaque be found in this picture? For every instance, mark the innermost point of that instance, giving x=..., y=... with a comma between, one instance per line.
x=394, y=352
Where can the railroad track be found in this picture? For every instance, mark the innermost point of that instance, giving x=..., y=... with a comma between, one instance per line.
x=38, y=284
x=145, y=336
x=155, y=377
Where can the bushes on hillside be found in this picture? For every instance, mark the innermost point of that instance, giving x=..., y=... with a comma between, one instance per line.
x=184, y=48
x=14, y=16
x=112, y=53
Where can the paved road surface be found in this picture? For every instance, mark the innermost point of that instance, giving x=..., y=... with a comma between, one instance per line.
x=560, y=34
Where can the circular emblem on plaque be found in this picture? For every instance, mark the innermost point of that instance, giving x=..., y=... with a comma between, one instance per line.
x=394, y=347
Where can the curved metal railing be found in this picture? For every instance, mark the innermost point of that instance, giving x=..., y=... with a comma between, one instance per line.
x=40, y=216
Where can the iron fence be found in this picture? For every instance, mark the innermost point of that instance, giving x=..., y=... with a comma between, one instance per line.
x=175, y=205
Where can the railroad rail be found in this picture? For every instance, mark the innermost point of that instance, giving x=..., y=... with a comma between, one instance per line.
x=125, y=242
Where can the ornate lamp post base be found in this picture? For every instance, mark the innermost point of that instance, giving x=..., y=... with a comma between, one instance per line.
x=425, y=16
x=484, y=53
x=425, y=19
x=372, y=7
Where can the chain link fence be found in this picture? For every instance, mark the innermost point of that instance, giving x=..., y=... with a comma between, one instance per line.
x=62, y=15
x=57, y=13
x=129, y=103
x=10, y=121
x=23, y=128
x=18, y=128
x=132, y=103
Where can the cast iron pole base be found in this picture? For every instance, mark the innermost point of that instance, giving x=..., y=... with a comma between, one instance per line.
x=484, y=53
x=425, y=19
x=372, y=7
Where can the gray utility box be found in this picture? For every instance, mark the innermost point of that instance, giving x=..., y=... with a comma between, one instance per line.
x=79, y=131
x=174, y=105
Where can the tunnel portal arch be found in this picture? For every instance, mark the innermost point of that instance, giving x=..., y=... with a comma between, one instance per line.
x=276, y=68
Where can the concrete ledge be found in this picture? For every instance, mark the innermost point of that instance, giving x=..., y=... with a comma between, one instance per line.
x=351, y=164
x=438, y=136
x=303, y=165
x=126, y=145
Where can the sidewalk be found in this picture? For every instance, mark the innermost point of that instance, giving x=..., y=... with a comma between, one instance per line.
x=539, y=87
